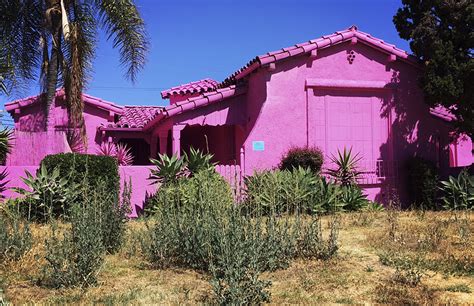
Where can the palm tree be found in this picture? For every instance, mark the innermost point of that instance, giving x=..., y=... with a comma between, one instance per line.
x=58, y=38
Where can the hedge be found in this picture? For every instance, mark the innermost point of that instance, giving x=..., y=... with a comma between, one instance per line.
x=75, y=166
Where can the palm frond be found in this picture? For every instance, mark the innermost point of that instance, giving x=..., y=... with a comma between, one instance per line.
x=124, y=24
x=20, y=22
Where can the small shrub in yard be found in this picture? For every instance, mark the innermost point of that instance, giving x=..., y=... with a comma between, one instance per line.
x=15, y=237
x=74, y=258
x=308, y=158
x=198, y=226
x=85, y=168
x=458, y=193
x=422, y=182
x=352, y=198
x=48, y=195
x=345, y=171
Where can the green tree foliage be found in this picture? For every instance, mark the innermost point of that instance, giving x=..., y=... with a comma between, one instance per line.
x=59, y=38
x=441, y=36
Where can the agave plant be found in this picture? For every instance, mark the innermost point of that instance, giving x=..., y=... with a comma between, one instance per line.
x=168, y=169
x=198, y=161
x=123, y=154
x=48, y=193
x=346, y=172
x=458, y=193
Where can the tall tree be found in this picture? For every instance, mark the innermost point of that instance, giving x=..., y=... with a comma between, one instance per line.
x=441, y=35
x=58, y=38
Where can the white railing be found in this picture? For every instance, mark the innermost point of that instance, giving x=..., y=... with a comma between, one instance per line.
x=374, y=172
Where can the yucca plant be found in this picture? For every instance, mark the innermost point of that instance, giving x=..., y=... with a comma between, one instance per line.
x=106, y=149
x=123, y=154
x=458, y=193
x=346, y=169
x=168, y=169
x=198, y=161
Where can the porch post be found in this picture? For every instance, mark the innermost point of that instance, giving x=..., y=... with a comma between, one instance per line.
x=176, y=134
x=153, y=144
x=163, y=135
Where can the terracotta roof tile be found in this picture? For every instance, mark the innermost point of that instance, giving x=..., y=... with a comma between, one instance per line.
x=136, y=116
x=191, y=88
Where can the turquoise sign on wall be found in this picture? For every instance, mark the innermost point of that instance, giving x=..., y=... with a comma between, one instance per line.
x=258, y=145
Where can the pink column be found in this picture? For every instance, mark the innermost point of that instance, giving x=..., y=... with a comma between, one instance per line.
x=153, y=145
x=163, y=136
x=176, y=134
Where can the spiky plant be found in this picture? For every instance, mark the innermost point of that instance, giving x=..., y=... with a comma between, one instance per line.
x=168, y=169
x=6, y=137
x=123, y=154
x=346, y=170
x=198, y=161
x=107, y=149
x=59, y=38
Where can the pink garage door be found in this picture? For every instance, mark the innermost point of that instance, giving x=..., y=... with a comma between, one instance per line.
x=349, y=119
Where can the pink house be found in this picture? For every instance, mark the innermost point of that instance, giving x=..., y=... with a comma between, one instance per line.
x=346, y=89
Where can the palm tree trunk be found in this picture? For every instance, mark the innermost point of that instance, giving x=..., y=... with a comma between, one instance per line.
x=53, y=14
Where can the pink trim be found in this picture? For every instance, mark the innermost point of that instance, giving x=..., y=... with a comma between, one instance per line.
x=328, y=83
x=352, y=34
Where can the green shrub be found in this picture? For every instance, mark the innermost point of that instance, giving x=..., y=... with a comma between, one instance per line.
x=197, y=225
x=307, y=157
x=48, y=195
x=74, y=257
x=326, y=197
x=280, y=191
x=80, y=168
x=458, y=193
x=113, y=213
x=15, y=237
x=422, y=182
x=352, y=198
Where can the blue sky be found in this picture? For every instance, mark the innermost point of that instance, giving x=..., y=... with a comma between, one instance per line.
x=192, y=39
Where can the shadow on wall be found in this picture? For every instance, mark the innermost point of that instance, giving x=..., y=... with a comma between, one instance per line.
x=413, y=132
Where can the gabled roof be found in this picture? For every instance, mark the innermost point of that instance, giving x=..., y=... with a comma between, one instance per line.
x=196, y=102
x=351, y=34
x=136, y=116
x=96, y=102
x=190, y=88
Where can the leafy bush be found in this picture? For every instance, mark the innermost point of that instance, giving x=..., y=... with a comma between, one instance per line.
x=75, y=258
x=197, y=225
x=15, y=237
x=113, y=213
x=326, y=197
x=352, y=198
x=458, y=193
x=48, y=195
x=422, y=182
x=308, y=158
x=3, y=182
x=346, y=169
x=80, y=168
x=280, y=191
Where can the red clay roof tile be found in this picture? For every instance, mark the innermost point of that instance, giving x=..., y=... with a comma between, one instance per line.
x=191, y=88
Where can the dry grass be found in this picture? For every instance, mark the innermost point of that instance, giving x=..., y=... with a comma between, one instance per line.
x=436, y=244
